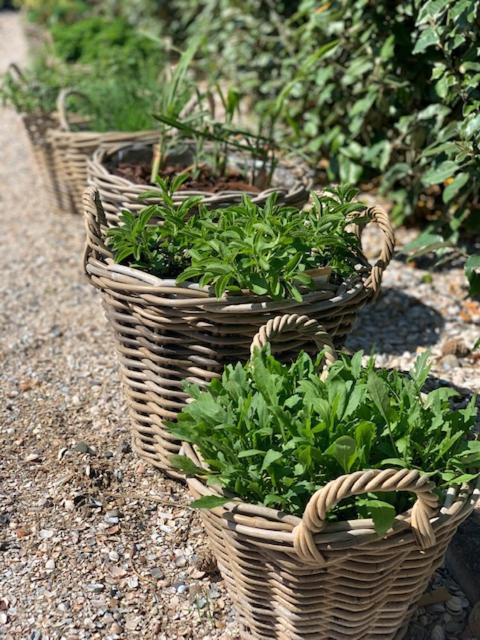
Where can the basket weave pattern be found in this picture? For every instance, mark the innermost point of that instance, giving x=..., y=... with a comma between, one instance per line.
x=296, y=578
x=71, y=149
x=166, y=334
x=118, y=193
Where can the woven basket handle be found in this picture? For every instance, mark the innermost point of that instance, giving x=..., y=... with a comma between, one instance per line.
x=354, y=484
x=382, y=220
x=95, y=224
x=303, y=325
x=62, y=98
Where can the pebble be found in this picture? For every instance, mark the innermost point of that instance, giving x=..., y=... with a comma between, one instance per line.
x=438, y=633
x=50, y=564
x=182, y=588
x=454, y=605
x=46, y=533
x=95, y=587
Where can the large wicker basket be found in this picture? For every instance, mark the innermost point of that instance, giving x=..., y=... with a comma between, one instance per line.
x=290, y=181
x=71, y=149
x=167, y=334
x=294, y=578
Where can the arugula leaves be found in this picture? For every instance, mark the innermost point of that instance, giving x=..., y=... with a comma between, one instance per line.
x=267, y=250
x=273, y=433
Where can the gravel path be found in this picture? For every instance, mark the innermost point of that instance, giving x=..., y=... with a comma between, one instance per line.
x=93, y=543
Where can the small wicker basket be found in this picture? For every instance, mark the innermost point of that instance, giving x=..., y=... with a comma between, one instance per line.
x=293, y=578
x=72, y=148
x=291, y=182
x=167, y=334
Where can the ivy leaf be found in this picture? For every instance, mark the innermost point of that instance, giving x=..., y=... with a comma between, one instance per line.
x=427, y=38
x=454, y=187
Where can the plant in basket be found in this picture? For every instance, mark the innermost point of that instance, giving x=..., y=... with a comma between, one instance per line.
x=272, y=250
x=186, y=286
x=326, y=487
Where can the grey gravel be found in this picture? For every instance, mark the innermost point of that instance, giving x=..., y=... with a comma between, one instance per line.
x=94, y=543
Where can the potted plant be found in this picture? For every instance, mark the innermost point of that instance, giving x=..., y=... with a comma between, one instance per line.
x=222, y=161
x=186, y=287
x=328, y=500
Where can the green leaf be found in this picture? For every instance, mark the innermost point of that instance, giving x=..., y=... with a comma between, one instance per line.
x=382, y=514
x=472, y=271
x=186, y=465
x=209, y=502
x=453, y=188
x=270, y=457
x=344, y=450
x=378, y=392
x=427, y=38
x=440, y=173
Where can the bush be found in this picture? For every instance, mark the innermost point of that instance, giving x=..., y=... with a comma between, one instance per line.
x=396, y=98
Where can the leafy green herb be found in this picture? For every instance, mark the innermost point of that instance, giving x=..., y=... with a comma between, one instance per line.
x=267, y=250
x=272, y=433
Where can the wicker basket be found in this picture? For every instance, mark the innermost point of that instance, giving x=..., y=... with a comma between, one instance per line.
x=294, y=578
x=166, y=333
x=37, y=125
x=291, y=182
x=72, y=148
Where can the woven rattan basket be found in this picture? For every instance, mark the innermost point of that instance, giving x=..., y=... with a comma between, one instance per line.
x=294, y=578
x=167, y=334
x=37, y=125
x=290, y=182
x=71, y=149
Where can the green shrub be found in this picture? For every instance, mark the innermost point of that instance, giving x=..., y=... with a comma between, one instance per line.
x=273, y=434
x=264, y=249
x=103, y=41
x=397, y=97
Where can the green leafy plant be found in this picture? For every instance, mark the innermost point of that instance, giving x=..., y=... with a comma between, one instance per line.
x=382, y=91
x=268, y=250
x=273, y=433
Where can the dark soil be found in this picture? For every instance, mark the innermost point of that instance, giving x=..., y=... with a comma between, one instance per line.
x=204, y=180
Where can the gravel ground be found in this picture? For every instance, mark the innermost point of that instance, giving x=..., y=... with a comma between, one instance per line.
x=94, y=543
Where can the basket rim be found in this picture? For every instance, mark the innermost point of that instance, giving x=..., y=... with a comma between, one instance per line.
x=98, y=169
x=246, y=518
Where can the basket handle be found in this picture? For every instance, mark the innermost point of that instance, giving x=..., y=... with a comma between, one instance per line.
x=354, y=484
x=303, y=325
x=381, y=218
x=62, y=98
x=95, y=219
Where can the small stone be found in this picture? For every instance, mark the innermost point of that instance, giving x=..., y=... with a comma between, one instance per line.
x=454, y=605
x=33, y=457
x=180, y=561
x=82, y=447
x=46, y=533
x=113, y=555
x=437, y=633
x=157, y=573
x=182, y=588
x=50, y=564
x=95, y=587
x=456, y=347
x=116, y=628
x=3, y=618
x=449, y=362
x=132, y=582
x=474, y=621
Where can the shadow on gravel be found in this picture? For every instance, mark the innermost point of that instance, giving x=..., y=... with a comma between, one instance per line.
x=395, y=323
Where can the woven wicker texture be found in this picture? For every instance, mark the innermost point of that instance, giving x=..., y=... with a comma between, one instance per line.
x=71, y=150
x=167, y=334
x=291, y=183
x=294, y=578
